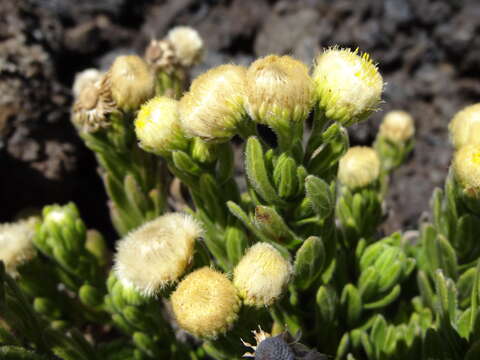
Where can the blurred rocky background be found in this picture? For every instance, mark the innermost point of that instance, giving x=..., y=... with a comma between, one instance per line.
x=427, y=50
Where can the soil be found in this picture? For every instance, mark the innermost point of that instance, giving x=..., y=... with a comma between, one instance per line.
x=428, y=52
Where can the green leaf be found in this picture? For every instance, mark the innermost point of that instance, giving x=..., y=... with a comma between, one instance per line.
x=426, y=290
x=379, y=332
x=137, y=199
x=241, y=215
x=439, y=253
x=475, y=298
x=185, y=163
x=447, y=295
x=351, y=302
x=309, y=262
x=320, y=195
x=256, y=169
x=386, y=300
x=212, y=199
x=327, y=300
x=235, y=242
x=272, y=225
x=465, y=284
x=343, y=346
x=225, y=163
x=285, y=176
x=368, y=283
x=146, y=343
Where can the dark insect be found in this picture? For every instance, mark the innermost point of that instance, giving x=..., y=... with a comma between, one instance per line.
x=280, y=347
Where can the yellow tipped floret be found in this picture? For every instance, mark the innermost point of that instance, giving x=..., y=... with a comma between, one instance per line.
x=158, y=126
x=131, y=82
x=261, y=275
x=214, y=107
x=205, y=303
x=466, y=168
x=348, y=85
x=279, y=88
x=187, y=43
x=157, y=253
x=397, y=126
x=465, y=127
x=359, y=167
x=16, y=246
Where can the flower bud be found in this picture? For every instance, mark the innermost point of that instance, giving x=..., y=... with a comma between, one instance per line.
x=187, y=43
x=16, y=246
x=348, y=86
x=261, y=275
x=466, y=169
x=205, y=303
x=131, y=82
x=465, y=127
x=158, y=126
x=214, y=107
x=279, y=88
x=397, y=126
x=157, y=253
x=359, y=167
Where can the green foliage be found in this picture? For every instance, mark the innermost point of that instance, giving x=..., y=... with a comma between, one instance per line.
x=352, y=293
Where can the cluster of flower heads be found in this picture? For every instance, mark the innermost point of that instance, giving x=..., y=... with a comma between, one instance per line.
x=130, y=81
x=277, y=91
x=206, y=302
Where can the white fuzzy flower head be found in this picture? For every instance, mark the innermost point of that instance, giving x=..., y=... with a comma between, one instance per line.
x=157, y=253
x=359, y=167
x=84, y=79
x=16, y=246
x=158, y=126
x=348, y=85
x=397, y=126
x=187, y=43
x=279, y=88
x=465, y=127
x=130, y=81
x=261, y=275
x=466, y=168
x=205, y=303
x=214, y=106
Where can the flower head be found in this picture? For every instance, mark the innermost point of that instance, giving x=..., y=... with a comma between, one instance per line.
x=93, y=106
x=130, y=82
x=16, y=246
x=261, y=275
x=465, y=127
x=160, y=55
x=213, y=108
x=157, y=253
x=158, y=126
x=187, y=43
x=205, y=303
x=279, y=88
x=397, y=126
x=466, y=169
x=348, y=85
x=359, y=167
x=84, y=79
